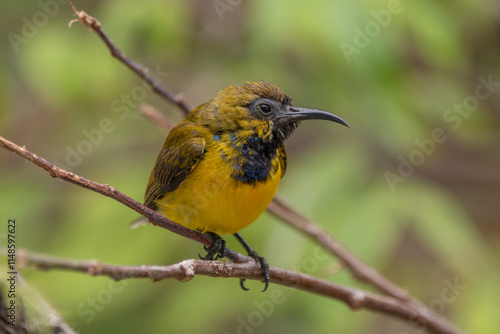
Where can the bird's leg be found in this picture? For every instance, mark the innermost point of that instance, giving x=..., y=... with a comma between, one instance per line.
x=217, y=250
x=263, y=263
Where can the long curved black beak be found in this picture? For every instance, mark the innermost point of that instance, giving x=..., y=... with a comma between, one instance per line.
x=297, y=114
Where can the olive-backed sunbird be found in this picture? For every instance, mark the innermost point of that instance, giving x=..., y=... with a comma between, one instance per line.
x=220, y=167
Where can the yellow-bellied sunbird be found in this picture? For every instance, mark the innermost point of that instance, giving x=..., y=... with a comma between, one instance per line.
x=220, y=167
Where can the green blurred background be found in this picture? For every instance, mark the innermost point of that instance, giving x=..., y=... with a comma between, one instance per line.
x=396, y=71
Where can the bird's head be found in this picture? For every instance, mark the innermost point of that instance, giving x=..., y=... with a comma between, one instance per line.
x=256, y=106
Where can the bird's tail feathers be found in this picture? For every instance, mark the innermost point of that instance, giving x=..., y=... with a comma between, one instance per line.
x=142, y=221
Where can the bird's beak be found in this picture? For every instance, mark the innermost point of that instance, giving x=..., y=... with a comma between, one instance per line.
x=297, y=114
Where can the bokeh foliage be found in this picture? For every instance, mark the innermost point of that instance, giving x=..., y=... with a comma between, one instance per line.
x=439, y=225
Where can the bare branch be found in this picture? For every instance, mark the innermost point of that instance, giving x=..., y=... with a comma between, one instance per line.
x=159, y=119
x=360, y=270
x=92, y=23
x=186, y=270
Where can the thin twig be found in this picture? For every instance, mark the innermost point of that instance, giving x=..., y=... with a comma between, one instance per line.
x=360, y=270
x=92, y=23
x=159, y=119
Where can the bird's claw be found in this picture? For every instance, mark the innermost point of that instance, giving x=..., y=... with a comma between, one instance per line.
x=265, y=271
x=217, y=250
x=242, y=284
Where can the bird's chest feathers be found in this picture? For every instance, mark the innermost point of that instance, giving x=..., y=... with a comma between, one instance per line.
x=251, y=157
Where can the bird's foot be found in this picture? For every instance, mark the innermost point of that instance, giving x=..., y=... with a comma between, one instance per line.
x=265, y=270
x=217, y=250
x=263, y=263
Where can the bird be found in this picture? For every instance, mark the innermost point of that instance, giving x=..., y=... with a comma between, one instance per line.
x=220, y=167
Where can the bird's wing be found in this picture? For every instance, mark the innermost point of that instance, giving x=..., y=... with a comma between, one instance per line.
x=179, y=156
x=282, y=158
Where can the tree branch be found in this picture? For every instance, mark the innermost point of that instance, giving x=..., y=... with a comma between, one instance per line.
x=360, y=270
x=92, y=23
x=186, y=270
x=159, y=119
x=111, y=192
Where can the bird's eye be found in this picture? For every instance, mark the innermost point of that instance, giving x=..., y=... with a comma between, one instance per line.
x=264, y=108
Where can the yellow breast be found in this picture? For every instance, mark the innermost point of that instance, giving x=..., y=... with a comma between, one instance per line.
x=210, y=200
